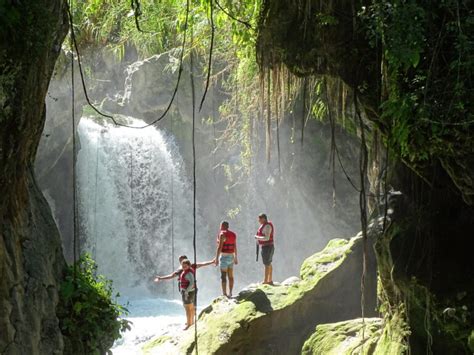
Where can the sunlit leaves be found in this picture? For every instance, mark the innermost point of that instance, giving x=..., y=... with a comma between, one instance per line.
x=88, y=312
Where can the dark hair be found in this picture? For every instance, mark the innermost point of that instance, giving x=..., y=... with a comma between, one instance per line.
x=186, y=261
x=225, y=224
x=263, y=215
x=182, y=257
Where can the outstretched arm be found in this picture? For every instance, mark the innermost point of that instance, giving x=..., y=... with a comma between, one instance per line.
x=167, y=277
x=205, y=263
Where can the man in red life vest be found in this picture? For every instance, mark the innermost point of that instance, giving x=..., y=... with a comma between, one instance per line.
x=264, y=238
x=226, y=256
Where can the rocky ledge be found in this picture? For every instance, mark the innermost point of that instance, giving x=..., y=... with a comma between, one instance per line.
x=279, y=319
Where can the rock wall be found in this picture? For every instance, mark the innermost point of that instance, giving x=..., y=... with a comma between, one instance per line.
x=31, y=261
x=427, y=236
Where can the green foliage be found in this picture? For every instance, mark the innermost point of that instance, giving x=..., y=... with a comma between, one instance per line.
x=445, y=324
x=323, y=19
x=399, y=25
x=428, y=62
x=89, y=315
x=319, y=107
x=112, y=23
x=9, y=17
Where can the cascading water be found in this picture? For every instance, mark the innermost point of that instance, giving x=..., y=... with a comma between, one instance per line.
x=132, y=199
x=131, y=191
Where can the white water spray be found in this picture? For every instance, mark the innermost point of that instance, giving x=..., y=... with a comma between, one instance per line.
x=131, y=196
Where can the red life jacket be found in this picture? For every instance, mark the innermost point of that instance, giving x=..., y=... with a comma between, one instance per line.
x=183, y=281
x=260, y=234
x=229, y=243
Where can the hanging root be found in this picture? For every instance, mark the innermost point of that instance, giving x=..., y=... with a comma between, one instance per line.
x=362, y=202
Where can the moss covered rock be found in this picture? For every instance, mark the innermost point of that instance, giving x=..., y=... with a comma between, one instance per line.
x=470, y=341
x=278, y=319
x=357, y=336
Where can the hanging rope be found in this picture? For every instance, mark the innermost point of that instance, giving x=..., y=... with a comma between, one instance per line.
x=245, y=23
x=385, y=187
x=211, y=48
x=193, y=141
x=332, y=156
x=303, y=109
x=75, y=47
x=137, y=12
x=363, y=205
x=276, y=91
x=172, y=210
x=73, y=114
x=268, y=131
x=96, y=195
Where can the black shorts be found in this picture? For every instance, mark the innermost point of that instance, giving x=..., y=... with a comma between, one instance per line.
x=267, y=254
x=191, y=297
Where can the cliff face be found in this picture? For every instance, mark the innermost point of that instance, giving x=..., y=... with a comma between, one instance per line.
x=31, y=258
x=424, y=244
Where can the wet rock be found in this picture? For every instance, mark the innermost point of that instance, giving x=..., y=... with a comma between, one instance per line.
x=291, y=280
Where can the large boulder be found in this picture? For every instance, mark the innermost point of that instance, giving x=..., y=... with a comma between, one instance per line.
x=357, y=336
x=278, y=319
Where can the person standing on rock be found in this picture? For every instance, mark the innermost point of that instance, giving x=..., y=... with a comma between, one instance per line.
x=185, y=281
x=187, y=288
x=264, y=238
x=226, y=256
x=178, y=271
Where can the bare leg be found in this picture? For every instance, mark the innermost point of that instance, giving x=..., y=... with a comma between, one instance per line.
x=186, y=313
x=268, y=274
x=189, y=315
x=224, y=282
x=230, y=272
x=192, y=313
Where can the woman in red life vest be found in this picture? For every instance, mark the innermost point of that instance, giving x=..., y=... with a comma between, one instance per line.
x=226, y=256
x=187, y=288
x=264, y=238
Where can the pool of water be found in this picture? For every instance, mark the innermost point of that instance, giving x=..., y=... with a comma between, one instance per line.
x=150, y=317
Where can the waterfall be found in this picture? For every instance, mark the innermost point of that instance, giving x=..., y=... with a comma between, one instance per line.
x=132, y=199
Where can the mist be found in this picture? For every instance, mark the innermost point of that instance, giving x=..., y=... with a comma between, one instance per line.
x=134, y=186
